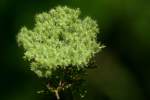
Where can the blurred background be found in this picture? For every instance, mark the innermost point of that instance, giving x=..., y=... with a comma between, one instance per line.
x=124, y=65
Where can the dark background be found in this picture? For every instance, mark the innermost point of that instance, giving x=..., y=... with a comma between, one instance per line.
x=124, y=65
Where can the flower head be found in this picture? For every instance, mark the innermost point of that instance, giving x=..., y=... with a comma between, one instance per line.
x=60, y=38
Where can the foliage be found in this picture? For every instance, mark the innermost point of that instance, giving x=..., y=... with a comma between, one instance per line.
x=60, y=46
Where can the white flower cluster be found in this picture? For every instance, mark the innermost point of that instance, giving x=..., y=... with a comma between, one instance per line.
x=59, y=39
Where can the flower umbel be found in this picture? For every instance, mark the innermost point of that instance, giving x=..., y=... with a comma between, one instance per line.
x=60, y=39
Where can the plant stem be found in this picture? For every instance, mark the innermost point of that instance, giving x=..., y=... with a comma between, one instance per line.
x=57, y=95
x=56, y=90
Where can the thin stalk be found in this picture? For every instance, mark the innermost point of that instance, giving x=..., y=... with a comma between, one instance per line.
x=57, y=94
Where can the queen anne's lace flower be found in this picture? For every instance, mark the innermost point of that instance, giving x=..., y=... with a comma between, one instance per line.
x=60, y=38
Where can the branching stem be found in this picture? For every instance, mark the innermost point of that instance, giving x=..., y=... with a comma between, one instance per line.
x=60, y=87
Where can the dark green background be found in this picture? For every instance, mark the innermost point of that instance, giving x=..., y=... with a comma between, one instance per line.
x=124, y=65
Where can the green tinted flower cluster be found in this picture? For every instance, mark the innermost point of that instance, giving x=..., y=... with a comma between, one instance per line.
x=60, y=38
